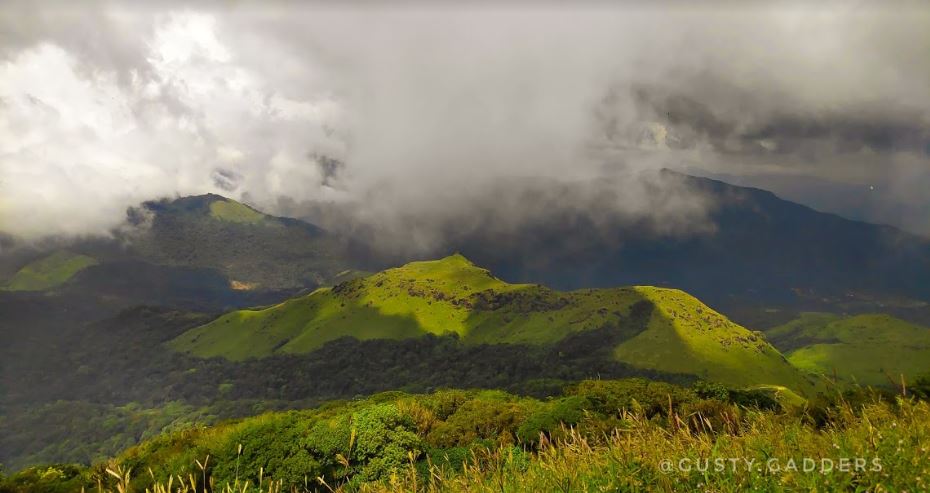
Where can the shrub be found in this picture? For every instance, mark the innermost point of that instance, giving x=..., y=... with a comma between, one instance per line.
x=608, y=397
x=385, y=439
x=479, y=418
x=711, y=390
x=271, y=443
x=550, y=418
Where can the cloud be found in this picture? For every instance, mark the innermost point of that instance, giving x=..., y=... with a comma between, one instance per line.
x=402, y=118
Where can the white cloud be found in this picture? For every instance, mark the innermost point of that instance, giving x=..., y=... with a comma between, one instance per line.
x=77, y=146
x=426, y=106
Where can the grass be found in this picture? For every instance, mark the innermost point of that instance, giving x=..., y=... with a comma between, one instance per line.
x=869, y=349
x=232, y=211
x=631, y=459
x=49, y=272
x=686, y=449
x=689, y=337
x=678, y=334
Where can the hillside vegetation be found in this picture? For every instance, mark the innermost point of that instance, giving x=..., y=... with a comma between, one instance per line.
x=230, y=210
x=600, y=436
x=252, y=249
x=870, y=349
x=653, y=328
x=49, y=272
x=685, y=336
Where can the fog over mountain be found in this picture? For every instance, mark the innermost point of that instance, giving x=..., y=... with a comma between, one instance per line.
x=396, y=119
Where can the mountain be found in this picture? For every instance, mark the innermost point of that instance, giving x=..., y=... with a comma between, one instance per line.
x=206, y=253
x=869, y=349
x=761, y=252
x=871, y=202
x=252, y=249
x=761, y=261
x=651, y=328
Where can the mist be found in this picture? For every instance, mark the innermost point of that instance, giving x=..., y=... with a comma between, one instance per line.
x=403, y=122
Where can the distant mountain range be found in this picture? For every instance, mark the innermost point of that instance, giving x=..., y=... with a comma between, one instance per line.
x=763, y=254
x=871, y=202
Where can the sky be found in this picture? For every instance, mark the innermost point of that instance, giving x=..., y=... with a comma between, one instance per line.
x=409, y=116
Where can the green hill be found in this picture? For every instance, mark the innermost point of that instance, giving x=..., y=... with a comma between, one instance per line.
x=255, y=251
x=49, y=272
x=685, y=336
x=677, y=333
x=868, y=349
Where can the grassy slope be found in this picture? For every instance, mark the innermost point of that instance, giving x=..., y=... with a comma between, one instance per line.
x=232, y=211
x=436, y=297
x=49, y=272
x=864, y=348
x=454, y=296
x=686, y=335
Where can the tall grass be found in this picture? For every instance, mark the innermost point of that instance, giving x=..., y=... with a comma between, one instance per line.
x=630, y=457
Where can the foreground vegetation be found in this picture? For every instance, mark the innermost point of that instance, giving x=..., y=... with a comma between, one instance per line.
x=623, y=435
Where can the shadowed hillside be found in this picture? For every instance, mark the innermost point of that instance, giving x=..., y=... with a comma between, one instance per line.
x=252, y=249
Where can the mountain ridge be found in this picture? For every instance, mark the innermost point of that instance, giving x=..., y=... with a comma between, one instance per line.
x=453, y=296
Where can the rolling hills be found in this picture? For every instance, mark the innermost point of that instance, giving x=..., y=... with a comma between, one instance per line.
x=654, y=328
x=869, y=349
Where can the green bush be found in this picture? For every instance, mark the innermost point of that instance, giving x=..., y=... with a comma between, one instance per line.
x=55, y=478
x=385, y=439
x=711, y=390
x=609, y=397
x=551, y=418
x=271, y=444
x=479, y=418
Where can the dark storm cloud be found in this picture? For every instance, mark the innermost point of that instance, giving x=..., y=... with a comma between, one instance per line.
x=882, y=128
x=330, y=168
x=226, y=179
x=901, y=131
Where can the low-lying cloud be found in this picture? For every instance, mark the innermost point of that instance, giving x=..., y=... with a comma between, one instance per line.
x=400, y=119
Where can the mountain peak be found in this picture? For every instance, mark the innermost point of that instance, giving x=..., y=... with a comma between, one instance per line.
x=211, y=205
x=456, y=259
x=453, y=274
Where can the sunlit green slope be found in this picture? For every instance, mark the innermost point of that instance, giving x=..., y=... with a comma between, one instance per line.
x=676, y=333
x=445, y=296
x=232, y=211
x=868, y=349
x=49, y=272
x=685, y=336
